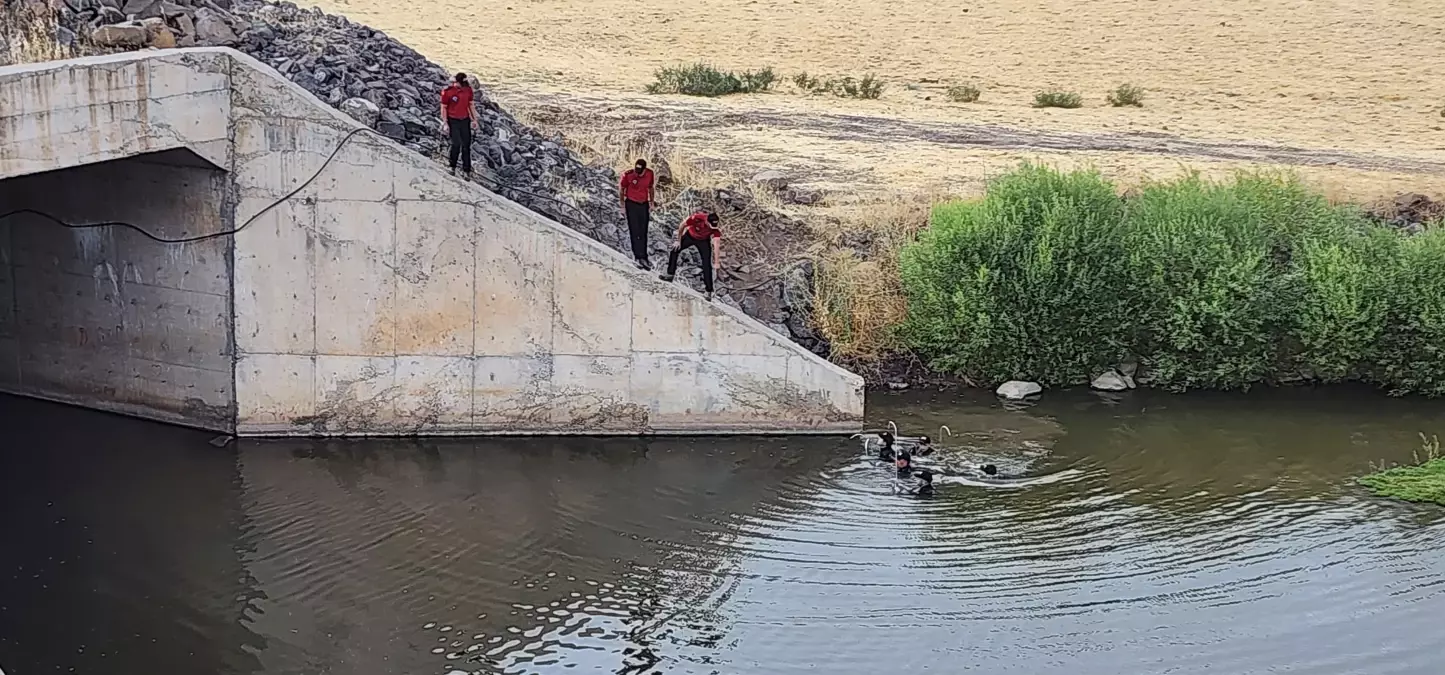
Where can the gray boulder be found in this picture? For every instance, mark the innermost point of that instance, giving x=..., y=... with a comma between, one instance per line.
x=1017, y=390
x=212, y=30
x=361, y=110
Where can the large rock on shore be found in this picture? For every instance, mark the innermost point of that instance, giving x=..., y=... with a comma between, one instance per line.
x=1018, y=390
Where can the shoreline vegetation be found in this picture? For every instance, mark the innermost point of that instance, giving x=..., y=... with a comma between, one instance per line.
x=1056, y=277
x=1421, y=482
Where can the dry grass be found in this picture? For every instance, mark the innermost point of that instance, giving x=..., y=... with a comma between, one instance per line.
x=857, y=294
x=31, y=34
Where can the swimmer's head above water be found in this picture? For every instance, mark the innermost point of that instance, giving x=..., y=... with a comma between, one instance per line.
x=989, y=470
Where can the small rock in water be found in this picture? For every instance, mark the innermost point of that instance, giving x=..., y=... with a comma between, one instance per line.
x=1017, y=390
x=1110, y=380
x=897, y=386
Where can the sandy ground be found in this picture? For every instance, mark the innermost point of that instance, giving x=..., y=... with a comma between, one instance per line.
x=1347, y=91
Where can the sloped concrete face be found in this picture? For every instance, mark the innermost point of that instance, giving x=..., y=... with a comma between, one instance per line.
x=386, y=297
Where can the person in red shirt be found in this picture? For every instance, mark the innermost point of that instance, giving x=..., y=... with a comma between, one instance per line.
x=459, y=118
x=637, y=200
x=698, y=231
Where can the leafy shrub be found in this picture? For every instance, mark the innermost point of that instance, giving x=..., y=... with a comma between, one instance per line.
x=1051, y=277
x=807, y=83
x=701, y=79
x=1018, y=284
x=1203, y=263
x=1058, y=99
x=963, y=93
x=1412, y=348
x=1126, y=95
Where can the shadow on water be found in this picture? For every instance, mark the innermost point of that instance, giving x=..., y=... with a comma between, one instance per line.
x=1192, y=534
x=120, y=546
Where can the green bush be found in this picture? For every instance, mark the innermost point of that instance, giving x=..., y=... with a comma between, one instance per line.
x=1412, y=349
x=963, y=93
x=1017, y=285
x=1052, y=277
x=1058, y=99
x=1126, y=95
x=701, y=79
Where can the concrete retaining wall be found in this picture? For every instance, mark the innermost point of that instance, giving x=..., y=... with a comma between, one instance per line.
x=387, y=297
x=106, y=317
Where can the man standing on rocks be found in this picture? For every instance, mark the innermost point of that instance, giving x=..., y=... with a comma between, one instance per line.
x=459, y=118
x=637, y=200
x=699, y=231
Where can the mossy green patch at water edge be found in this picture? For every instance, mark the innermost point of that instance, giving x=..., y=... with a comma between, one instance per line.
x=1423, y=481
x=1052, y=277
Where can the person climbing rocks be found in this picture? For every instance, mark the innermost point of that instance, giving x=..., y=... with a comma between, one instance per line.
x=636, y=191
x=698, y=231
x=459, y=119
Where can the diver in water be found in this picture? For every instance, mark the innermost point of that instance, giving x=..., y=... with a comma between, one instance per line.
x=904, y=463
x=925, y=446
x=925, y=483
x=887, y=453
x=988, y=472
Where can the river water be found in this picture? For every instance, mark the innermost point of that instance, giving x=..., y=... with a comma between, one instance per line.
x=1160, y=534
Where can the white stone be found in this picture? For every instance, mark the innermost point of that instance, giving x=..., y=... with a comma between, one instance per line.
x=1110, y=380
x=361, y=110
x=771, y=179
x=1017, y=390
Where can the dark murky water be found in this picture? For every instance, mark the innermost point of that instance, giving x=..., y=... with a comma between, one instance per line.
x=1184, y=535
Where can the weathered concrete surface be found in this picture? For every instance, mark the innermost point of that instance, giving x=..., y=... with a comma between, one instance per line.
x=106, y=317
x=387, y=297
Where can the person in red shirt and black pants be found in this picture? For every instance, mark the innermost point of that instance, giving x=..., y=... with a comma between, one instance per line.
x=459, y=118
x=698, y=231
x=637, y=201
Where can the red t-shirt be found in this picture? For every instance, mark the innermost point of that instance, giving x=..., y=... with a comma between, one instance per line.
x=458, y=100
x=699, y=228
x=636, y=187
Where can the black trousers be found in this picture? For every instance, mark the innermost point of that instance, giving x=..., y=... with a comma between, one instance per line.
x=704, y=251
x=461, y=132
x=638, y=214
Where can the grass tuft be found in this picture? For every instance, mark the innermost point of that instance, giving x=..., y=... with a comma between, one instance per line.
x=1058, y=99
x=1424, y=481
x=858, y=296
x=868, y=87
x=701, y=79
x=1126, y=95
x=963, y=93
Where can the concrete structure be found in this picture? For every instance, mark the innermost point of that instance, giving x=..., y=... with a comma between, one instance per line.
x=384, y=297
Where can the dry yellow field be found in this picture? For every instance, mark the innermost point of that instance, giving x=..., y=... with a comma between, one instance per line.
x=1348, y=91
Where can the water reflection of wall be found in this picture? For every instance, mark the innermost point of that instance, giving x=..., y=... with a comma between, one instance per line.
x=119, y=551
x=357, y=546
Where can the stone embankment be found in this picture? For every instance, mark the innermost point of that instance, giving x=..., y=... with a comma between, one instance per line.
x=391, y=88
